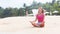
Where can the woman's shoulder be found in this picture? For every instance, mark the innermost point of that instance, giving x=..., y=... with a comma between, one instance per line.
x=36, y=14
x=43, y=14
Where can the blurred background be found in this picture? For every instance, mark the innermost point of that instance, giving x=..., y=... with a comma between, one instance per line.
x=9, y=8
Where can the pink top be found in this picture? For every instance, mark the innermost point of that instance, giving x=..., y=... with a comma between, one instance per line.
x=40, y=17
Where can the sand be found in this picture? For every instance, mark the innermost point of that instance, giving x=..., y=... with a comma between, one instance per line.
x=21, y=25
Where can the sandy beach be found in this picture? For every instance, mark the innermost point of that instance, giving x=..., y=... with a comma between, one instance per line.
x=21, y=25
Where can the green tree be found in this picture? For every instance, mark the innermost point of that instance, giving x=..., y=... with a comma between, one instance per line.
x=7, y=12
x=21, y=12
x=24, y=5
x=14, y=12
x=1, y=11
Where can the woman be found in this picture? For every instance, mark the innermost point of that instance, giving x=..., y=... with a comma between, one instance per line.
x=40, y=18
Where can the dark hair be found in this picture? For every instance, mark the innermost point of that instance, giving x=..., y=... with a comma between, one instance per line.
x=42, y=11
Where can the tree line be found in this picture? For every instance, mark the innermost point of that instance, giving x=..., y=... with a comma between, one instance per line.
x=48, y=6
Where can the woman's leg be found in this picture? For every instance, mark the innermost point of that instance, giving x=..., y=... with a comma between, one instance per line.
x=34, y=24
x=37, y=24
x=42, y=24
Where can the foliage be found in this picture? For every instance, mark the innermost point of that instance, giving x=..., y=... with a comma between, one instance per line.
x=7, y=12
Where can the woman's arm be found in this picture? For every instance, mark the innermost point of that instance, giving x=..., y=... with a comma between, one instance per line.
x=35, y=20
